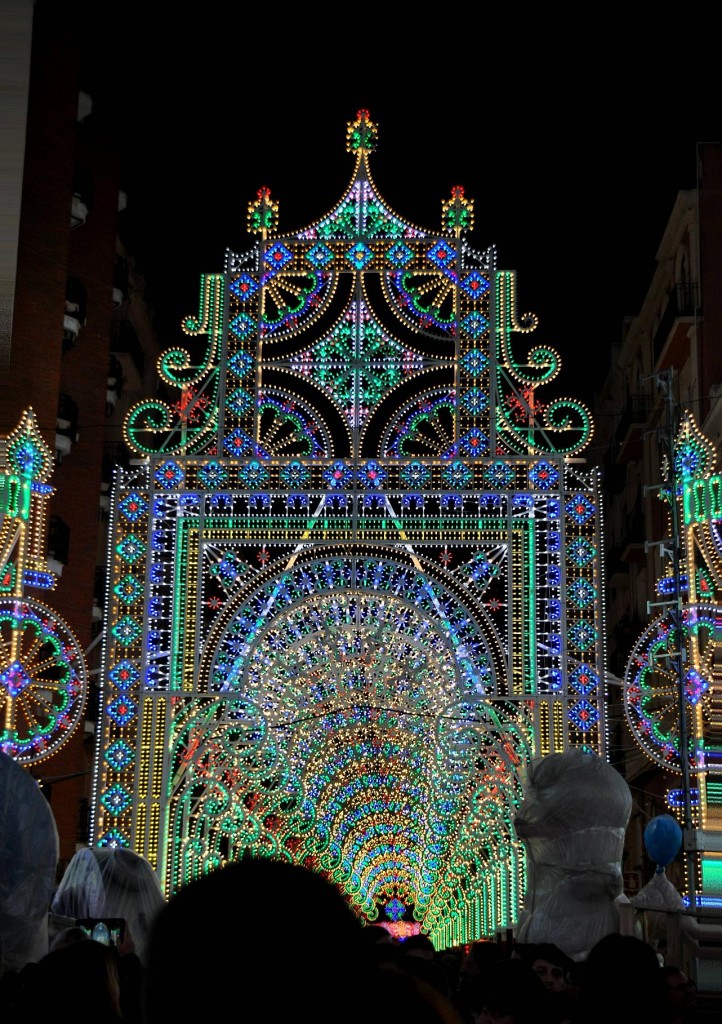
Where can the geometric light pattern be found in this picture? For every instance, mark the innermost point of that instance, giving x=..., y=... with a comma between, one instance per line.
x=43, y=676
x=363, y=571
x=673, y=680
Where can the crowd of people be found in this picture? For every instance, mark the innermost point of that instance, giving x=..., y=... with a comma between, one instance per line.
x=270, y=938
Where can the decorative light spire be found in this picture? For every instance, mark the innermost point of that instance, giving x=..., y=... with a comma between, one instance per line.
x=263, y=214
x=457, y=213
x=361, y=134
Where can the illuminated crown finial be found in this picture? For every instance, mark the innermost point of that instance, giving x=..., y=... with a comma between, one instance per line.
x=361, y=134
x=457, y=213
x=262, y=214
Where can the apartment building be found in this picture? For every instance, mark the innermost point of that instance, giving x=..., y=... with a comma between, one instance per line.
x=76, y=337
x=669, y=360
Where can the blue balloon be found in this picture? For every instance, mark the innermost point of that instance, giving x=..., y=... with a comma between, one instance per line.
x=662, y=838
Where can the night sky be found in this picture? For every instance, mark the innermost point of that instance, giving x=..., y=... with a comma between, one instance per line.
x=572, y=182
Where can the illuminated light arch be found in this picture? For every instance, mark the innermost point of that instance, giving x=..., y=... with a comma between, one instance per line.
x=356, y=572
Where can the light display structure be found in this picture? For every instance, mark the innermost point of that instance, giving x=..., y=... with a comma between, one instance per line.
x=354, y=572
x=43, y=673
x=673, y=679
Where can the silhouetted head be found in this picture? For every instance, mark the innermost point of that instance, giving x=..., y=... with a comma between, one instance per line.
x=619, y=964
x=86, y=967
x=256, y=926
x=419, y=945
x=480, y=954
x=507, y=989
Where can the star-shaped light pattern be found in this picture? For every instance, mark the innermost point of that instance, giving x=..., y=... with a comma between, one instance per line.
x=366, y=575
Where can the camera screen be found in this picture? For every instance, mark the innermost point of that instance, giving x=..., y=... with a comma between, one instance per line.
x=108, y=930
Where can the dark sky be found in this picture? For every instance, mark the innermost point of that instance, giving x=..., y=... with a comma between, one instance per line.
x=572, y=181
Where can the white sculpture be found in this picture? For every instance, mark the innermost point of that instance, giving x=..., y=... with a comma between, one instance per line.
x=111, y=882
x=572, y=823
x=28, y=862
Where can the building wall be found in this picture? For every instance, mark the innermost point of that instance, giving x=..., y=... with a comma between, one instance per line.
x=669, y=357
x=16, y=31
x=71, y=165
x=710, y=214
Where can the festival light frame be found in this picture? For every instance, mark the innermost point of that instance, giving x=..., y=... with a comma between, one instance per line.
x=354, y=572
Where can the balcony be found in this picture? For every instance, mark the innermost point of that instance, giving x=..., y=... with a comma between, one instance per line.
x=76, y=299
x=120, y=280
x=682, y=306
x=628, y=435
x=82, y=197
x=76, y=303
x=66, y=433
x=71, y=330
x=115, y=384
x=78, y=212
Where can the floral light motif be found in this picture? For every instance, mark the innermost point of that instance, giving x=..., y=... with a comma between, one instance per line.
x=524, y=404
x=395, y=910
x=190, y=406
x=365, y=578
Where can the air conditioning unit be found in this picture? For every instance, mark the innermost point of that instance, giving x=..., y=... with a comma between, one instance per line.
x=71, y=330
x=71, y=325
x=63, y=444
x=118, y=297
